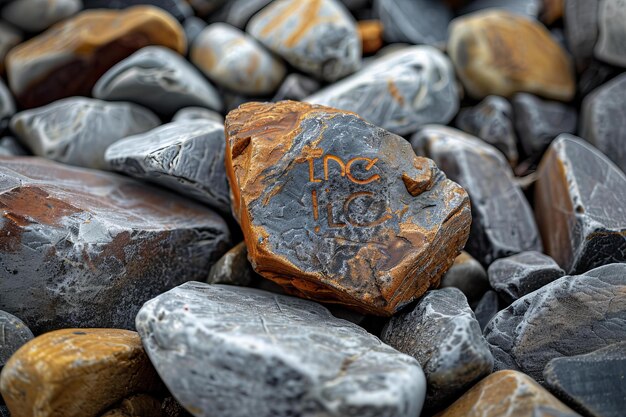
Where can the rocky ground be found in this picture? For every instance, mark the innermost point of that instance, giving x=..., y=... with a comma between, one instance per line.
x=346, y=208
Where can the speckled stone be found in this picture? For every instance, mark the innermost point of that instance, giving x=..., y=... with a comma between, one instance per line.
x=580, y=21
x=233, y=268
x=37, y=15
x=400, y=91
x=9, y=146
x=235, y=60
x=180, y=9
x=573, y=315
x=13, y=334
x=197, y=113
x=227, y=351
x=530, y=8
x=159, y=79
x=296, y=87
x=442, y=333
x=185, y=156
x=611, y=47
x=7, y=106
x=487, y=308
x=468, y=275
x=9, y=37
x=319, y=37
x=77, y=130
x=72, y=238
x=580, y=197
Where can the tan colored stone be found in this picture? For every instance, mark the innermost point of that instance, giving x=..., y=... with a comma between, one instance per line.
x=76, y=373
x=552, y=11
x=371, y=34
x=501, y=53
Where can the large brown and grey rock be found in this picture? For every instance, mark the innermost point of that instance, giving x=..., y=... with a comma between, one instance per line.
x=296, y=87
x=318, y=37
x=78, y=130
x=185, y=156
x=611, y=47
x=7, y=106
x=338, y=210
x=442, y=333
x=503, y=222
x=580, y=21
x=573, y=315
x=235, y=60
x=180, y=9
x=37, y=15
x=515, y=276
x=13, y=334
x=592, y=383
x=86, y=248
x=233, y=268
x=468, y=275
x=9, y=37
x=580, y=197
x=487, y=308
x=227, y=351
x=9, y=146
x=399, y=91
x=197, y=113
x=159, y=79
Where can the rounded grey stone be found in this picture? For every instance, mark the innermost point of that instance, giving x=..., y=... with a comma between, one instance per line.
x=238, y=12
x=7, y=106
x=233, y=268
x=468, y=275
x=530, y=8
x=9, y=146
x=9, y=37
x=487, y=308
x=195, y=113
x=296, y=87
x=580, y=19
x=611, y=45
x=180, y=9
x=13, y=334
x=37, y=15
x=193, y=26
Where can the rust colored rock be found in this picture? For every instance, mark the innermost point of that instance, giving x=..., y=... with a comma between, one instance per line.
x=70, y=57
x=338, y=210
x=76, y=373
x=371, y=34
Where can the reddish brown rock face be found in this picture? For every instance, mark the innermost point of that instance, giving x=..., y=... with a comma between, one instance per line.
x=338, y=210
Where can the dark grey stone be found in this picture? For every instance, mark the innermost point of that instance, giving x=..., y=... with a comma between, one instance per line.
x=193, y=26
x=4, y=411
x=227, y=351
x=7, y=106
x=180, y=9
x=38, y=15
x=442, y=333
x=197, y=113
x=296, y=87
x=594, y=75
x=611, y=47
x=487, y=308
x=206, y=7
x=13, y=334
x=530, y=8
x=571, y=316
x=11, y=147
x=580, y=18
x=9, y=37
x=238, y=12
x=233, y=268
x=468, y=275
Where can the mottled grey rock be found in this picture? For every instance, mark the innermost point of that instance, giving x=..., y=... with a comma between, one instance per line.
x=236, y=61
x=37, y=15
x=193, y=26
x=414, y=21
x=503, y=222
x=492, y=121
x=318, y=37
x=238, y=12
x=592, y=383
x=86, y=248
x=227, y=351
x=611, y=46
x=468, y=275
x=580, y=197
x=539, y=121
x=530, y=8
x=185, y=156
x=515, y=276
x=9, y=37
x=580, y=18
x=573, y=315
x=158, y=78
x=195, y=113
x=13, y=334
x=180, y=9
x=7, y=106
x=233, y=268
x=487, y=308
x=442, y=333
x=296, y=87
x=77, y=130
x=400, y=91
x=11, y=147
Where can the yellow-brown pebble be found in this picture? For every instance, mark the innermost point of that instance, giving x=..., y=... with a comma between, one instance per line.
x=501, y=53
x=371, y=34
x=76, y=373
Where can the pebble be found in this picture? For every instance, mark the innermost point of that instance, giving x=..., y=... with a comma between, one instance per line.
x=592, y=383
x=492, y=121
x=68, y=59
x=233, y=268
x=530, y=8
x=38, y=15
x=442, y=333
x=502, y=220
x=511, y=394
x=580, y=21
x=72, y=237
x=399, y=91
x=468, y=275
x=551, y=11
x=9, y=146
x=193, y=26
x=180, y=9
x=296, y=87
x=371, y=34
x=515, y=276
x=415, y=21
x=205, y=7
x=140, y=405
x=579, y=203
x=159, y=79
x=77, y=130
x=76, y=373
x=185, y=156
x=197, y=113
x=7, y=106
x=611, y=47
x=603, y=121
x=487, y=308
x=318, y=37
x=238, y=12
x=501, y=53
x=9, y=37
x=235, y=60
x=573, y=315
x=14, y=334
x=338, y=210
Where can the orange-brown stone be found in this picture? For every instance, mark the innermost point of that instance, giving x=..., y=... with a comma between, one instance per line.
x=371, y=34
x=552, y=11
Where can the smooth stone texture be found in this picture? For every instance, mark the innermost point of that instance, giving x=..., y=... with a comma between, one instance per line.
x=76, y=373
x=193, y=26
x=592, y=383
x=37, y=15
x=503, y=222
x=611, y=47
x=442, y=333
x=487, y=308
x=7, y=106
x=319, y=37
x=238, y=12
x=9, y=146
x=68, y=59
x=580, y=21
x=159, y=79
x=87, y=248
x=468, y=275
x=538, y=122
x=400, y=91
x=501, y=53
x=205, y=7
x=185, y=156
x=492, y=121
x=9, y=37
x=604, y=120
x=414, y=21
x=233, y=268
x=335, y=209
x=296, y=87
x=234, y=351
x=13, y=334
x=180, y=9
x=530, y=8
x=78, y=130
x=235, y=60
x=580, y=197
x=515, y=276
x=511, y=394
x=573, y=315
x=371, y=34
x=197, y=113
